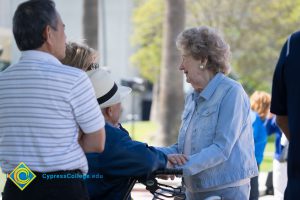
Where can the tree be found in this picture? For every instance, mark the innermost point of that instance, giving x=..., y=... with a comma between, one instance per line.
x=255, y=31
x=147, y=37
x=90, y=22
x=171, y=79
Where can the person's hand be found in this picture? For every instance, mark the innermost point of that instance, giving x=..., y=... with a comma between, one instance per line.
x=169, y=165
x=177, y=159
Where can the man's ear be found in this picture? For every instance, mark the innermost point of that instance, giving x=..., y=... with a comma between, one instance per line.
x=107, y=111
x=47, y=34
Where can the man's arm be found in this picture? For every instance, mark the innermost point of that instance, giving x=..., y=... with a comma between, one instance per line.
x=88, y=115
x=93, y=142
x=124, y=157
x=282, y=122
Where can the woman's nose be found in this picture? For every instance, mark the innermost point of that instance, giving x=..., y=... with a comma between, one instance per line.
x=181, y=67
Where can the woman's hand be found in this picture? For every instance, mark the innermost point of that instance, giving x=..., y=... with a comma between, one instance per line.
x=177, y=159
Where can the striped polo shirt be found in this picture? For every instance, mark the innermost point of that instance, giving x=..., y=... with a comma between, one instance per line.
x=42, y=105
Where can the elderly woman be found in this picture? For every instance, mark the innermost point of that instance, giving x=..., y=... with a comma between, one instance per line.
x=123, y=157
x=215, y=143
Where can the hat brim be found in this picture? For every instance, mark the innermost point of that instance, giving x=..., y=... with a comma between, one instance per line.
x=118, y=97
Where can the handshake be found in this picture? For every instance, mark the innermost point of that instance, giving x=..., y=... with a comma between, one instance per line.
x=175, y=160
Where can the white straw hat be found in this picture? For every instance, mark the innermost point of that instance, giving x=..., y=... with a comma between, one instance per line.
x=108, y=93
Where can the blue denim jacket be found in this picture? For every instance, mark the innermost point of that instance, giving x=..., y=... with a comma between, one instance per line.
x=222, y=147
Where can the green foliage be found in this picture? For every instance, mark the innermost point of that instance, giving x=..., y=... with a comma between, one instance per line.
x=147, y=37
x=255, y=30
x=2, y=180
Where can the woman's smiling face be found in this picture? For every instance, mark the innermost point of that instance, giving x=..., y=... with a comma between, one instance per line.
x=195, y=75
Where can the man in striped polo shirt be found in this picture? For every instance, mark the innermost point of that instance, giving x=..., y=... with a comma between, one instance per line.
x=43, y=103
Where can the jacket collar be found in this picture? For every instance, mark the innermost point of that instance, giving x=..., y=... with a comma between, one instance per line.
x=207, y=92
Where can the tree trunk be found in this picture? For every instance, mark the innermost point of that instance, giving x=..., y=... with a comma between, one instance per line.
x=154, y=113
x=171, y=95
x=90, y=22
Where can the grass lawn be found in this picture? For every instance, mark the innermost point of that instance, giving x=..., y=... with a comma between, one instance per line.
x=267, y=163
x=2, y=181
x=143, y=131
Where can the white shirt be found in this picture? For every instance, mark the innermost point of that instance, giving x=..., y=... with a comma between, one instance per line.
x=42, y=105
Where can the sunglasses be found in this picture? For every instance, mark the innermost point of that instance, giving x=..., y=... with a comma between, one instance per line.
x=93, y=66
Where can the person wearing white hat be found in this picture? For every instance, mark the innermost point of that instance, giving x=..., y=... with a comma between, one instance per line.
x=109, y=95
x=123, y=157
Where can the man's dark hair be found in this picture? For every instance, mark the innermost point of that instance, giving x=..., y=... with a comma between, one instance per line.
x=30, y=20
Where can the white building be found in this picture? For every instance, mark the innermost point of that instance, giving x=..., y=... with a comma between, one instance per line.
x=114, y=38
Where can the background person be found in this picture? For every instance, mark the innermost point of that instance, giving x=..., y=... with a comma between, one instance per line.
x=260, y=108
x=285, y=104
x=280, y=158
x=42, y=108
x=216, y=136
x=81, y=56
x=123, y=157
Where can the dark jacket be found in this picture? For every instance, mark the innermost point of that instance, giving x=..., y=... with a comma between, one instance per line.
x=121, y=159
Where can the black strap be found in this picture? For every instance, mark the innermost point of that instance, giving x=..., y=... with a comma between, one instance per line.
x=108, y=95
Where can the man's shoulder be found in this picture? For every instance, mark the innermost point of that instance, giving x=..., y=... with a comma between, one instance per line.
x=73, y=70
x=296, y=34
x=293, y=42
x=113, y=132
x=67, y=73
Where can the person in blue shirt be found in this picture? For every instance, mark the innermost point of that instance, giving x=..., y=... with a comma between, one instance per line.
x=123, y=157
x=260, y=108
x=260, y=136
x=110, y=171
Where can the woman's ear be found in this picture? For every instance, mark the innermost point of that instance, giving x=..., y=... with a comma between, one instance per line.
x=204, y=61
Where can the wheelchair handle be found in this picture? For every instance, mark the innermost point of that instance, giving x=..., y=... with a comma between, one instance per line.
x=168, y=171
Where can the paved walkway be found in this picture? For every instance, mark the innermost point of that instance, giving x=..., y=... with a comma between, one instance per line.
x=140, y=193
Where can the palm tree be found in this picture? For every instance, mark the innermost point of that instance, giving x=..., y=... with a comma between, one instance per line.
x=171, y=80
x=90, y=22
